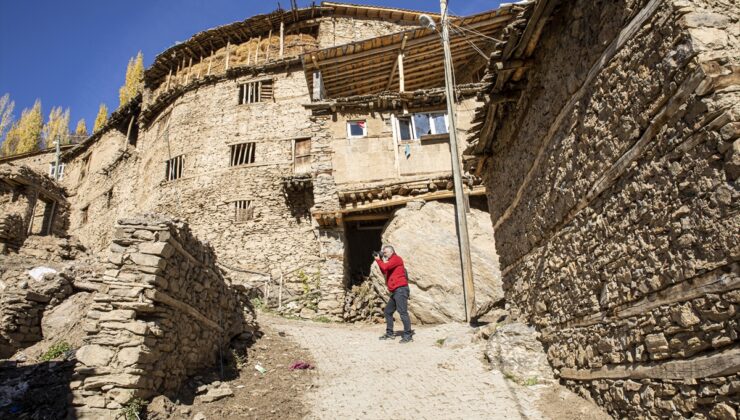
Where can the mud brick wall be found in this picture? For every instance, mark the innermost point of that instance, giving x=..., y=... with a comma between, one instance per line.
x=613, y=189
x=162, y=311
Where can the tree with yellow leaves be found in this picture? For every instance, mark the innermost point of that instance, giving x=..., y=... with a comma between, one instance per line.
x=101, y=119
x=27, y=131
x=57, y=127
x=134, y=79
x=6, y=114
x=81, y=129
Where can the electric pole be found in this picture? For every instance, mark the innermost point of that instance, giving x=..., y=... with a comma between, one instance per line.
x=466, y=262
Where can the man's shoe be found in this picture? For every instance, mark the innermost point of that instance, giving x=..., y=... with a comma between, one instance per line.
x=387, y=337
x=406, y=340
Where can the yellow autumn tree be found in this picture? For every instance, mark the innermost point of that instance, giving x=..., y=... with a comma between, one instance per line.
x=11, y=141
x=57, y=127
x=6, y=114
x=29, y=128
x=101, y=119
x=134, y=79
x=81, y=129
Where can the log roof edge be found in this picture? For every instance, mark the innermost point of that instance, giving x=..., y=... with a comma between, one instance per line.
x=218, y=37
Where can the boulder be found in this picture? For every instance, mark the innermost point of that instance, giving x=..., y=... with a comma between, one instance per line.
x=425, y=237
x=515, y=350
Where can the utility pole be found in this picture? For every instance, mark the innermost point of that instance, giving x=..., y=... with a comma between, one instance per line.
x=460, y=207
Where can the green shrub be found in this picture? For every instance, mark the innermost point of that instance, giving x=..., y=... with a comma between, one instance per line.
x=55, y=351
x=132, y=409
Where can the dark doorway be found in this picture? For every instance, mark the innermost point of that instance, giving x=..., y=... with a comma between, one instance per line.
x=363, y=237
x=43, y=216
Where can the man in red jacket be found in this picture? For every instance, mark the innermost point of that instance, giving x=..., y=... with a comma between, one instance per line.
x=395, y=279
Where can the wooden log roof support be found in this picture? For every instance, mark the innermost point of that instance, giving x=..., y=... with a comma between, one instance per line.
x=506, y=69
x=362, y=68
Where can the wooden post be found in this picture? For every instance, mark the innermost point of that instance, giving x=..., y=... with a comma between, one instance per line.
x=190, y=70
x=210, y=63
x=282, y=40
x=200, y=67
x=169, y=77
x=280, y=291
x=257, y=51
x=401, y=82
x=269, y=44
x=228, y=48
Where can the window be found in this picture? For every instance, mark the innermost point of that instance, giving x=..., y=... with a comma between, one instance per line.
x=253, y=92
x=416, y=126
x=302, y=163
x=84, y=167
x=83, y=215
x=356, y=128
x=242, y=154
x=243, y=210
x=108, y=198
x=52, y=170
x=174, y=168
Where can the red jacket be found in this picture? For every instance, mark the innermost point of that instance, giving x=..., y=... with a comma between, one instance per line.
x=394, y=272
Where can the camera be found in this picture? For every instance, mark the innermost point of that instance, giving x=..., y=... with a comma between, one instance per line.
x=377, y=254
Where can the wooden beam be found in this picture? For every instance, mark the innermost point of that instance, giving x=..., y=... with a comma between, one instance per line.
x=366, y=217
x=282, y=38
x=723, y=363
x=228, y=51
x=431, y=36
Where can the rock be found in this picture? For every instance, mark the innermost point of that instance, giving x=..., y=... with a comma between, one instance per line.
x=199, y=416
x=656, y=343
x=215, y=394
x=94, y=355
x=684, y=316
x=723, y=411
x=515, y=350
x=160, y=408
x=427, y=241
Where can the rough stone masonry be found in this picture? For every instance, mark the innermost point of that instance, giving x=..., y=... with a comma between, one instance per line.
x=613, y=189
x=162, y=311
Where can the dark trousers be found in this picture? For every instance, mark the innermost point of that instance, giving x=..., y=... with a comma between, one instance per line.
x=398, y=302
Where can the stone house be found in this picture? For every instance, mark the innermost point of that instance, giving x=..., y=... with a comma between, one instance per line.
x=286, y=141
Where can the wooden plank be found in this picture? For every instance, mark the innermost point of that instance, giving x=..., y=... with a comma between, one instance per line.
x=723, y=363
x=282, y=38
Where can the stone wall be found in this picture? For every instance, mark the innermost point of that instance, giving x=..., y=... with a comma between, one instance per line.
x=35, y=279
x=162, y=311
x=613, y=191
x=339, y=30
x=30, y=203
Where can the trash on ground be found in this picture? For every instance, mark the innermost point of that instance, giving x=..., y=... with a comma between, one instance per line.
x=260, y=369
x=301, y=365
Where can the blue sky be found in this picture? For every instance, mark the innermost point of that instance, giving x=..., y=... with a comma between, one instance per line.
x=73, y=53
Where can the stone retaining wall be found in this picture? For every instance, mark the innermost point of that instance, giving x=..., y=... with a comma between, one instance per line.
x=162, y=311
x=614, y=197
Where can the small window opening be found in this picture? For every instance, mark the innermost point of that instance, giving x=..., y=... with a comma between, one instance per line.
x=253, y=92
x=43, y=216
x=83, y=215
x=108, y=198
x=405, y=129
x=356, y=128
x=52, y=170
x=302, y=163
x=174, y=168
x=84, y=166
x=243, y=210
x=242, y=154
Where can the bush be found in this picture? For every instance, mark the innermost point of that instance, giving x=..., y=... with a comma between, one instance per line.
x=132, y=409
x=55, y=351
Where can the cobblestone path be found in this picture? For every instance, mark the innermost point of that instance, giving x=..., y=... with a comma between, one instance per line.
x=361, y=377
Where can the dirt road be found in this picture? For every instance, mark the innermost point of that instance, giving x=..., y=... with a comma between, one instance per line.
x=360, y=377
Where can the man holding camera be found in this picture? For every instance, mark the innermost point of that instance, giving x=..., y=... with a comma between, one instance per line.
x=395, y=279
